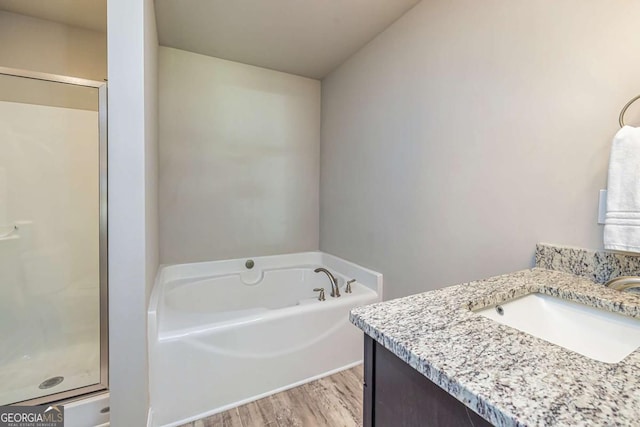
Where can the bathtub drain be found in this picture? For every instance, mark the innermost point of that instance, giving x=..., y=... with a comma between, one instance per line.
x=51, y=382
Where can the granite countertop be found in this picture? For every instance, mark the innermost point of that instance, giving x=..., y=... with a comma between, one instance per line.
x=508, y=377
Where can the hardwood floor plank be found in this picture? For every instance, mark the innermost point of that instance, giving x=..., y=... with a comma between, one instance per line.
x=285, y=411
x=310, y=404
x=211, y=421
x=345, y=393
x=259, y=413
x=231, y=418
x=354, y=382
x=341, y=406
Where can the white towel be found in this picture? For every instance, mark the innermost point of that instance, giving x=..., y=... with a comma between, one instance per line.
x=622, y=223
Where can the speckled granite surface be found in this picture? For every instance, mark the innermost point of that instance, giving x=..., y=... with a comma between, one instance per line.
x=508, y=377
x=599, y=266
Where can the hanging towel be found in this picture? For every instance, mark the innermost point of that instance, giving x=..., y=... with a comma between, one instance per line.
x=622, y=223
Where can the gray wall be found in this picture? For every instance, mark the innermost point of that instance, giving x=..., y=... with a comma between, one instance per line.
x=468, y=131
x=49, y=47
x=239, y=159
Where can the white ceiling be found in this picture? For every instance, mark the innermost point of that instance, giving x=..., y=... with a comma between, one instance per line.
x=304, y=37
x=88, y=14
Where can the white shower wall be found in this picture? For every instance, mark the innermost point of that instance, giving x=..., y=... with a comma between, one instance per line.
x=50, y=268
x=49, y=186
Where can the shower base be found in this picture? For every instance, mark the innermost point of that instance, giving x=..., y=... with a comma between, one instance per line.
x=78, y=364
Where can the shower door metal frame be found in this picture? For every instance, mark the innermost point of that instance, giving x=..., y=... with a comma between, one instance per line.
x=103, y=385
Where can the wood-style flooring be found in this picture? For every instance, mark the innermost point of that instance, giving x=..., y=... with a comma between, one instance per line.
x=334, y=401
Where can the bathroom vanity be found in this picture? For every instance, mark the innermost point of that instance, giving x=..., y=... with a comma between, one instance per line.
x=395, y=394
x=435, y=359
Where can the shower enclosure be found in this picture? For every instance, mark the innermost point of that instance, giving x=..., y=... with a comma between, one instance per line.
x=53, y=237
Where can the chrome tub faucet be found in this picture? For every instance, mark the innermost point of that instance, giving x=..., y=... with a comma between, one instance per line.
x=335, y=292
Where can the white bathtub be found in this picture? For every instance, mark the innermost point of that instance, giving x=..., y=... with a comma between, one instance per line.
x=221, y=335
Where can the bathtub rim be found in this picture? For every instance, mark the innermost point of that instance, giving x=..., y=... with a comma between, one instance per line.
x=196, y=270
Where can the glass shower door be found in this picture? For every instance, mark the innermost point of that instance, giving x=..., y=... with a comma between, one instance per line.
x=52, y=238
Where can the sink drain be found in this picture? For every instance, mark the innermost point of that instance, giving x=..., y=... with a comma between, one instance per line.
x=51, y=382
x=500, y=310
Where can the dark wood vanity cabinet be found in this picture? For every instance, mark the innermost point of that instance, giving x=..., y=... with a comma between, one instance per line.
x=396, y=395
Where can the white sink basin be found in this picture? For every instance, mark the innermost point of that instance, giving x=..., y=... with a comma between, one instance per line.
x=598, y=334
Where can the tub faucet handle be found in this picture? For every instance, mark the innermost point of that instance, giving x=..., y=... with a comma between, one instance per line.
x=321, y=294
x=348, y=288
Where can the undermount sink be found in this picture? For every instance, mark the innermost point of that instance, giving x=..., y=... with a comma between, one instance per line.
x=598, y=334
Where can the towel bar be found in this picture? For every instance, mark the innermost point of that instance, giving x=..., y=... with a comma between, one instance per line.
x=624, y=109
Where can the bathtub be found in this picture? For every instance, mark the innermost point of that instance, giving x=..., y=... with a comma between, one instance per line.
x=222, y=334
